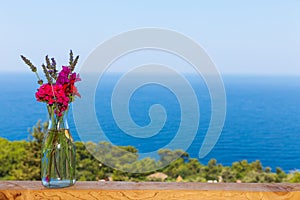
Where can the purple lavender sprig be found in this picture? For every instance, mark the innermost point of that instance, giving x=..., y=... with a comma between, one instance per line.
x=33, y=69
x=47, y=74
x=51, y=66
x=72, y=61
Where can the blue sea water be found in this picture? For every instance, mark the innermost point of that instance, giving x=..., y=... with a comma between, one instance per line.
x=262, y=121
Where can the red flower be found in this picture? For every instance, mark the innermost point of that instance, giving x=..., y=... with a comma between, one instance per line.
x=61, y=93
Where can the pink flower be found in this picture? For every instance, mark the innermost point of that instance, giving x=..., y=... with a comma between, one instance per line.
x=61, y=93
x=63, y=76
x=47, y=179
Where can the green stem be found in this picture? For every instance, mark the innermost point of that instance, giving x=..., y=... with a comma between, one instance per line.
x=50, y=166
x=69, y=160
x=55, y=166
x=38, y=77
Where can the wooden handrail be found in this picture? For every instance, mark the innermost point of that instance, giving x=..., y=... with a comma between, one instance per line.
x=150, y=190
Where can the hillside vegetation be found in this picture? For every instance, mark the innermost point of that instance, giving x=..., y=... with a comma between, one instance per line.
x=20, y=160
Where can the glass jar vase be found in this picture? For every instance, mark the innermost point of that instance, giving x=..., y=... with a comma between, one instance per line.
x=58, y=152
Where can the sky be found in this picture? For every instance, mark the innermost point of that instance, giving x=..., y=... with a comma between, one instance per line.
x=241, y=37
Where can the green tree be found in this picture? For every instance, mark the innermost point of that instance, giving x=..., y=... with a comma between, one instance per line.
x=295, y=178
x=30, y=165
x=281, y=175
x=11, y=155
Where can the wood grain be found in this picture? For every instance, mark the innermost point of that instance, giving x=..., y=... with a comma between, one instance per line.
x=31, y=190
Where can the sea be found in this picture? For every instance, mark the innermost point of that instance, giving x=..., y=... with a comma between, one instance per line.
x=262, y=116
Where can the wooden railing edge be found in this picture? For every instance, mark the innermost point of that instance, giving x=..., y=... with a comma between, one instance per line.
x=150, y=190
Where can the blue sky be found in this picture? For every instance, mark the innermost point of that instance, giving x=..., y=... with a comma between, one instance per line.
x=241, y=37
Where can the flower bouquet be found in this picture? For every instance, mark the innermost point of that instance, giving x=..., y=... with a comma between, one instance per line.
x=58, y=149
